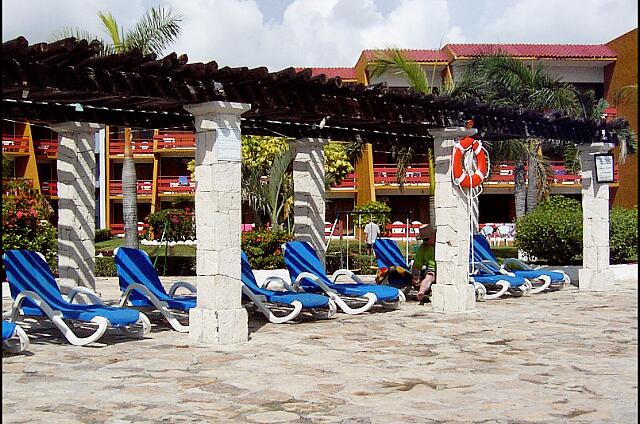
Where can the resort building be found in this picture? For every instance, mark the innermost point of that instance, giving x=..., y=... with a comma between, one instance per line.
x=162, y=156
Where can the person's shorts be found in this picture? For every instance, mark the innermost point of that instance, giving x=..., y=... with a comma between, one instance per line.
x=369, y=246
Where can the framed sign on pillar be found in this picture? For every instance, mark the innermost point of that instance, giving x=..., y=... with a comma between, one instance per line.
x=604, y=167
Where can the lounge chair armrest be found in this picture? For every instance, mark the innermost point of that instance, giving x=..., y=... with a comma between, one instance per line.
x=35, y=298
x=348, y=273
x=93, y=296
x=315, y=279
x=284, y=282
x=179, y=284
x=143, y=290
x=518, y=263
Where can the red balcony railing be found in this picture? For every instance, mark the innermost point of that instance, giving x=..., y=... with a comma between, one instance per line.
x=175, y=140
x=49, y=188
x=387, y=174
x=349, y=182
x=144, y=187
x=399, y=230
x=46, y=148
x=13, y=144
x=176, y=185
x=503, y=174
x=117, y=229
x=140, y=147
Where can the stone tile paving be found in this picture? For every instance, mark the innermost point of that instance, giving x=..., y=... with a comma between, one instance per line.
x=556, y=357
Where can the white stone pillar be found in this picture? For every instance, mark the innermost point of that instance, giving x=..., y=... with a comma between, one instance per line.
x=219, y=317
x=308, y=185
x=76, y=166
x=452, y=292
x=595, y=273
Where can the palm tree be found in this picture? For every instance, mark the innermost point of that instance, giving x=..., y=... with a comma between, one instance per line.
x=627, y=94
x=509, y=81
x=157, y=29
x=395, y=62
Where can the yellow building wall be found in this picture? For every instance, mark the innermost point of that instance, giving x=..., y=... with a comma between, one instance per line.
x=625, y=72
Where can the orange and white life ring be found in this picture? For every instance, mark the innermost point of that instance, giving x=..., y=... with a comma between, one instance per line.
x=460, y=176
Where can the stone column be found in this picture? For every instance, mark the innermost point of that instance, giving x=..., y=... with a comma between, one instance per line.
x=308, y=185
x=452, y=293
x=76, y=166
x=595, y=273
x=219, y=317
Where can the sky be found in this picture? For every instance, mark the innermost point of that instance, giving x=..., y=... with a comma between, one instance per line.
x=322, y=33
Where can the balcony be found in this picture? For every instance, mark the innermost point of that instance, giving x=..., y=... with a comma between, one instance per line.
x=176, y=185
x=140, y=147
x=15, y=145
x=385, y=175
x=144, y=188
x=179, y=140
x=49, y=188
x=46, y=148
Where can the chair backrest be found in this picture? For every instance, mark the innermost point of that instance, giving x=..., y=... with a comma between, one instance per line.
x=486, y=230
x=388, y=254
x=27, y=270
x=134, y=266
x=481, y=249
x=299, y=256
x=505, y=230
x=248, y=279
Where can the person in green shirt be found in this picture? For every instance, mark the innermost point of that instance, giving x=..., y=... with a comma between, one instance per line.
x=424, y=263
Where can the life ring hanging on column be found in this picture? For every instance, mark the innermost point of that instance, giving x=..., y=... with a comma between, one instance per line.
x=460, y=175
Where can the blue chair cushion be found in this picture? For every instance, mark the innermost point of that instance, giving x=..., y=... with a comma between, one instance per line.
x=493, y=279
x=7, y=329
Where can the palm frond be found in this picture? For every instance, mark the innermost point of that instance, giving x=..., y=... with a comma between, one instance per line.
x=157, y=30
x=277, y=173
x=111, y=27
x=404, y=158
x=395, y=62
x=627, y=94
x=355, y=149
x=81, y=34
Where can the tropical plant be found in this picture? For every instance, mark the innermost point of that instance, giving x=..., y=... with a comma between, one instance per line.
x=157, y=29
x=378, y=212
x=268, y=192
x=336, y=164
x=623, y=234
x=264, y=248
x=25, y=221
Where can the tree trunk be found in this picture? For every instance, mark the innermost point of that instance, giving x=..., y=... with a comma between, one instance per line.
x=520, y=193
x=129, y=193
x=532, y=179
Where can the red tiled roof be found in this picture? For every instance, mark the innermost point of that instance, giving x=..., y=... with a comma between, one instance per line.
x=415, y=55
x=344, y=73
x=556, y=51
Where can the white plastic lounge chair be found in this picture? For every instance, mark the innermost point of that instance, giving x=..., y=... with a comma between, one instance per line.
x=14, y=339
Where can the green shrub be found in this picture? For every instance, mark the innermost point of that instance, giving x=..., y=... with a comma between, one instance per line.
x=25, y=222
x=552, y=231
x=380, y=214
x=179, y=224
x=105, y=267
x=623, y=234
x=103, y=234
x=263, y=248
x=176, y=266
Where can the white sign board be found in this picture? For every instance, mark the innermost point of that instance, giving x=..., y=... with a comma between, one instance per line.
x=604, y=168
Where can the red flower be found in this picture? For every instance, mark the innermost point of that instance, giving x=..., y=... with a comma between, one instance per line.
x=19, y=214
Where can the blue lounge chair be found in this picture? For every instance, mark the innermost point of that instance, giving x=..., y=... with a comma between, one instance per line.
x=549, y=278
x=141, y=287
x=10, y=332
x=264, y=299
x=36, y=294
x=309, y=274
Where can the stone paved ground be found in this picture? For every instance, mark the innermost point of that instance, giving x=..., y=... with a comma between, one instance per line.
x=556, y=357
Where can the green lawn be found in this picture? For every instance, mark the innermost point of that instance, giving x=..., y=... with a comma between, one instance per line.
x=179, y=250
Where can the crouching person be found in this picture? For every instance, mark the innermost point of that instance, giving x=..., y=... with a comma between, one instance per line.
x=424, y=263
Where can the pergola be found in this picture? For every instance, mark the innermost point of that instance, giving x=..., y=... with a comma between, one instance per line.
x=73, y=89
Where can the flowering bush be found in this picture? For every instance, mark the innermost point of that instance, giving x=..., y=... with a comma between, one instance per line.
x=264, y=248
x=180, y=224
x=25, y=221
